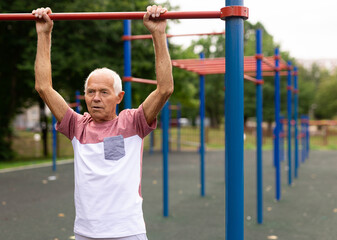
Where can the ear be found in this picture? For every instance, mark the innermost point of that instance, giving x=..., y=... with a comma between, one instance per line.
x=120, y=97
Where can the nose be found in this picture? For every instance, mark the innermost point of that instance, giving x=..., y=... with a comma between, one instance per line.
x=97, y=97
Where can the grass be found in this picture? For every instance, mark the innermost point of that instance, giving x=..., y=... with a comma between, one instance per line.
x=20, y=163
x=25, y=162
x=30, y=152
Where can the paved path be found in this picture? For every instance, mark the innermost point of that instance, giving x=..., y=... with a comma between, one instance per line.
x=36, y=206
x=307, y=209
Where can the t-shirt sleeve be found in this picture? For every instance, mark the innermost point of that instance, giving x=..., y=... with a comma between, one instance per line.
x=142, y=127
x=68, y=124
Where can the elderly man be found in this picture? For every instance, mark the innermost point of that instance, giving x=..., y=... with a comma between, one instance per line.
x=107, y=148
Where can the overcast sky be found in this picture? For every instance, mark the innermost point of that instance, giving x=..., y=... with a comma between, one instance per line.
x=305, y=28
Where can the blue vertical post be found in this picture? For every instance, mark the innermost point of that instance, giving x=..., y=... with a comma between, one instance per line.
x=259, y=119
x=277, y=126
x=127, y=64
x=179, y=127
x=305, y=138
x=295, y=120
x=165, y=141
x=274, y=144
x=170, y=119
x=303, y=135
x=302, y=138
x=281, y=138
x=151, y=141
x=54, y=142
x=289, y=112
x=307, y=135
x=78, y=101
x=202, y=130
x=234, y=126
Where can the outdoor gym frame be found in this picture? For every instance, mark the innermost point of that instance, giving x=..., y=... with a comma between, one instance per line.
x=260, y=66
x=165, y=127
x=234, y=13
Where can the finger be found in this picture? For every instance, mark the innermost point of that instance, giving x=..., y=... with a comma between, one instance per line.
x=43, y=11
x=158, y=11
x=38, y=13
x=45, y=16
x=35, y=12
x=147, y=14
x=153, y=11
x=48, y=10
x=163, y=10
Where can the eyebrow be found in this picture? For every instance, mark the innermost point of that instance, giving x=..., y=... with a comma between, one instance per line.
x=101, y=89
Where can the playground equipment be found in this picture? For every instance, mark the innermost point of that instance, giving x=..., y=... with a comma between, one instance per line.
x=177, y=108
x=234, y=14
x=165, y=122
x=234, y=213
x=260, y=66
x=295, y=90
x=304, y=136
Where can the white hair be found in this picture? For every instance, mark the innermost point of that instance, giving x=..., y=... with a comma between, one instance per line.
x=117, y=82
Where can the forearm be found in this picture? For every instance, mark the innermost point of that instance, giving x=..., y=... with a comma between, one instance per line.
x=156, y=100
x=43, y=78
x=163, y=65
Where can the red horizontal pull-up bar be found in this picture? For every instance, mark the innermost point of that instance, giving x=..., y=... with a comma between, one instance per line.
x=139, y=80
x=110, y=15
x=149, y=36
x=229, y=11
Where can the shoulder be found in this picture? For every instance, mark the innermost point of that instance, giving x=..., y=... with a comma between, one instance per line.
x=130, y=113
x=86, y=117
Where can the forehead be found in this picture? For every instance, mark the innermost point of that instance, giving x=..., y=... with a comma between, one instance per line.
x=100, y=80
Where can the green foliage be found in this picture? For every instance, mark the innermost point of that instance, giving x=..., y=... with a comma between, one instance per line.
x=212, y=47
x=185, y=84
x=17, y=89
x=78, y=47
x=326, y=98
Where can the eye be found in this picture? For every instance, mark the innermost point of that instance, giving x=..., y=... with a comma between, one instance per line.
x=90, y=91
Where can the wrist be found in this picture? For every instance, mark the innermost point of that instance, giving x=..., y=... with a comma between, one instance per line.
x=44, y=34
x=158, y=34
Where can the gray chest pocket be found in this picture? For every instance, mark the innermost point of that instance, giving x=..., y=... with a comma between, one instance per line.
x=114, y=148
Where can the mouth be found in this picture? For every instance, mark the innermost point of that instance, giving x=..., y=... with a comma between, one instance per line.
x=96, y=108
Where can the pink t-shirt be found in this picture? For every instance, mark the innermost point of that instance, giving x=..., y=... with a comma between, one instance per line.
x=108, y=166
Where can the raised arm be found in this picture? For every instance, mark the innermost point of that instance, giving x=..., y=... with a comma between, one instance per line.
x=43, y=76
x=157, y=99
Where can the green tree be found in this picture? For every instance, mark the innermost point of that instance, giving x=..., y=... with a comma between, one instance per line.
x=212, y=47
x=78, y=47
x=326, y=98
x=309, y=81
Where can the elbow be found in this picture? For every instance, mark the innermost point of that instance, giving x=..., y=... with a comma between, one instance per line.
x=170, y=91
x=39, y=89
x=167, y=91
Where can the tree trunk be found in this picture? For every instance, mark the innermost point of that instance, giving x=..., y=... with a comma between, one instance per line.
x=44, y=127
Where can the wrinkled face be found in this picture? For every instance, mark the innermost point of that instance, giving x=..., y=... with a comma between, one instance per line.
x=100, y=97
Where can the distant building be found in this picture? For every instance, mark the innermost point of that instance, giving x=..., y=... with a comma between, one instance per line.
x=29, y=119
